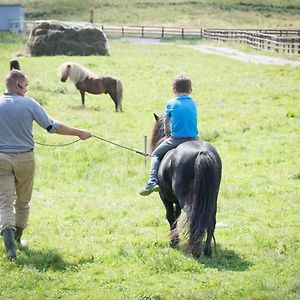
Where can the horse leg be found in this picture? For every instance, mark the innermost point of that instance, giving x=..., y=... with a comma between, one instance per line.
x=113, y=95
x=194, y=247
x=172, y=216
x=82, y=93
x=210, y=233
x=174, y=235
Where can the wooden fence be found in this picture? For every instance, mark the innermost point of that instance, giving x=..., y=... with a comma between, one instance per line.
x=278, y=40
x=151, y=32
x=287, y=41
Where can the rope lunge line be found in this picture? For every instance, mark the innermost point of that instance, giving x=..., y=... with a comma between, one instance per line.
x=99, y=138
x=121, y=146
x=59, y=145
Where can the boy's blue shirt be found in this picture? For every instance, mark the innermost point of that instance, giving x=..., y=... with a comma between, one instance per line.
x=182, y=111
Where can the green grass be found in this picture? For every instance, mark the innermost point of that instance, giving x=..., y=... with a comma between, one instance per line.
x=91, y=236
x=207, y=13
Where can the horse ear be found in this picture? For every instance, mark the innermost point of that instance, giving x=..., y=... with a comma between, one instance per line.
x=156, y=117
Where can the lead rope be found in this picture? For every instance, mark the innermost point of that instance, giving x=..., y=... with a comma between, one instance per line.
x=121, y=146
x=57, y=145
x=99, y=138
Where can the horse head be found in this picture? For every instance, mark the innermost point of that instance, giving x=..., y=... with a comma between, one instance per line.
x=64, y=71
x=158, y=134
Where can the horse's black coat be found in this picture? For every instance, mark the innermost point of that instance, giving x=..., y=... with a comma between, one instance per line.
x=14, y=65
x=189, y=177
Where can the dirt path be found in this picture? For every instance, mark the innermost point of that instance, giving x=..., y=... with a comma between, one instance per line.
x=228, y=52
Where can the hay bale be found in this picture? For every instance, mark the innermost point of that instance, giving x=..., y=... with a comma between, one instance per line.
x=61, y=38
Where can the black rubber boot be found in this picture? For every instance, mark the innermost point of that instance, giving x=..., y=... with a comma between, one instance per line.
x=18, y=234
x=9, y=242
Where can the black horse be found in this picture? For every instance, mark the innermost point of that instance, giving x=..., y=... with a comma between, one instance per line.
x=14, y=65
x=189, y=178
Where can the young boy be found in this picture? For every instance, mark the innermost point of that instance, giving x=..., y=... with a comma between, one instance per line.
x=17, y=164
x=180, y=124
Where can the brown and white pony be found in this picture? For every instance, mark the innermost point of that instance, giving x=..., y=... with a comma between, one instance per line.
x=86, y=81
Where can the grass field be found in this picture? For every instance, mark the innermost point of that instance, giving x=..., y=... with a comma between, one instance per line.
x=91, y=236
x=205, y=13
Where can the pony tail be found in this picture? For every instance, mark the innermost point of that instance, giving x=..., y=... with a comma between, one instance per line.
x=201, y=216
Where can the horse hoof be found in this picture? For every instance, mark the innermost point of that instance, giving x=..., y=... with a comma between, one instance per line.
x=174, y=238
x=174, y=243
x=194, y=251
x=207, y=251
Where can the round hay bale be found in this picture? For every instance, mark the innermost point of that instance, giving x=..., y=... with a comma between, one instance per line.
x=61, y=38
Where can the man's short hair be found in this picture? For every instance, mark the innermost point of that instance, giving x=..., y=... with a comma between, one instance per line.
x=13, y=76
x=182, y=84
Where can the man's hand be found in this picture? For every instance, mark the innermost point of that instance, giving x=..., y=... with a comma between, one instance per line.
x=84, y=135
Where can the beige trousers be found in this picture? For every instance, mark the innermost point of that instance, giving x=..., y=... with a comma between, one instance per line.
x=16, y=183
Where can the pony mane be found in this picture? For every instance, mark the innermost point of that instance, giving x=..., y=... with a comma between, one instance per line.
x=76, y=71
x=158, y=132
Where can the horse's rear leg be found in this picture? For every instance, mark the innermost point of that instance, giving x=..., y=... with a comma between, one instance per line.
x=113, y=96
x=210, y=233
x=82, y=93
x=194, y=247
x=174, y=235
x=172, y=216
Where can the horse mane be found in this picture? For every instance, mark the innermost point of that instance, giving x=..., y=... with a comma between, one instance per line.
x=158, y=132
x=77, y=72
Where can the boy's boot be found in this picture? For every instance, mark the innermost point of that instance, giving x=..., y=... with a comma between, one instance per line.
x=9, y=242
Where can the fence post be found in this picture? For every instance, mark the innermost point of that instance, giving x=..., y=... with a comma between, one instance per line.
x=122, y=31
x=162, y=32
x=182, y=33
x=142, y=31
x=92, y=16
x=145, y=148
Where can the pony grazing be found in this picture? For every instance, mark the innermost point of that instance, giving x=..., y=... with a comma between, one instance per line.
x=189, y=177
x=86, y=81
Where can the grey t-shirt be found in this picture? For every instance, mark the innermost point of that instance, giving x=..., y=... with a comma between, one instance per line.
x=17, y=114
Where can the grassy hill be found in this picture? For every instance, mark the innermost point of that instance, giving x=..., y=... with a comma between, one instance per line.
x=206, y=13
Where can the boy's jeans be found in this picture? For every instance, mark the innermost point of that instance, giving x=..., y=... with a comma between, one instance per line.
x=159, y=153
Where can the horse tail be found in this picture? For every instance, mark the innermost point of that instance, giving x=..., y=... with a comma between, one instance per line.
x=119, y=94
x=115, y=89
x=201, y=214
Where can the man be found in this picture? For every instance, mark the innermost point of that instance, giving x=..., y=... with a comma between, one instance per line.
x=17, y=164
